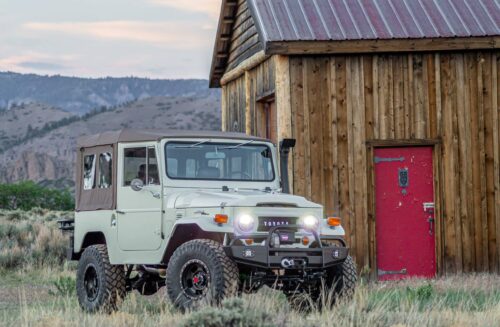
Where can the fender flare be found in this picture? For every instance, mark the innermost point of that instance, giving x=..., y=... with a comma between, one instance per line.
x=183, y=233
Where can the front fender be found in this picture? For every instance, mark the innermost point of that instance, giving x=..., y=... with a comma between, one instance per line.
x=186, y=231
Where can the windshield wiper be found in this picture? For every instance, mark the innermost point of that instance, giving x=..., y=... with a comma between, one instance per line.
x=192, y=145
x=237, y=146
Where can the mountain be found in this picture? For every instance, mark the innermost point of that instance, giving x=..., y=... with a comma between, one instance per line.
x=81, y=95
x=47, y=155
x=20, y=121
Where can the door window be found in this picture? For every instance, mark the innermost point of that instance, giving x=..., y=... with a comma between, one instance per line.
x=141, y=163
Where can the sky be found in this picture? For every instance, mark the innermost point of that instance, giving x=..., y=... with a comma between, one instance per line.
x=100, y=38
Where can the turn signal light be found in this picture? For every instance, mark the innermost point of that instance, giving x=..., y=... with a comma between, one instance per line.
x=221, y=219
x=333, y=221
x=305, y=240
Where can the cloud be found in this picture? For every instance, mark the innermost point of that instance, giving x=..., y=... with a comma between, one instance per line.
x=177, y=35
x=42, y=65
x=209, y=7
x=38, y=62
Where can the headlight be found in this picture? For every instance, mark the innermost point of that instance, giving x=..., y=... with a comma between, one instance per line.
x=310, y=222
x=245, y=223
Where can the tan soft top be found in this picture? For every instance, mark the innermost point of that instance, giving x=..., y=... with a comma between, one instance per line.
x=132, y=135
x=105, y=198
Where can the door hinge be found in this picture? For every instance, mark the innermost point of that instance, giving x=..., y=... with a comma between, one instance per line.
x=392, y=272
x=379, y=159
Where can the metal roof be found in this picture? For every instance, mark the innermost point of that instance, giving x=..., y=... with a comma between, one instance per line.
x=131, y=135
x=336, y=20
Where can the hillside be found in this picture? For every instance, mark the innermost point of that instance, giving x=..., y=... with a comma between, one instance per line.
x=48, y=158
x=81, y=95
x=20, y=121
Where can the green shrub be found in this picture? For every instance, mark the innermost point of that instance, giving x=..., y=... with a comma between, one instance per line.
x=28, y=195
x=64, y=286
x=241, y=312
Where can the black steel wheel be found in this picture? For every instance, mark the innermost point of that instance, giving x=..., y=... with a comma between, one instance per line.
x=100, y=286
x=91, y=283
x=195, y=279
x=200, y=271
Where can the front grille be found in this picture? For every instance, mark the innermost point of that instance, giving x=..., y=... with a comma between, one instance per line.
x=266, y=223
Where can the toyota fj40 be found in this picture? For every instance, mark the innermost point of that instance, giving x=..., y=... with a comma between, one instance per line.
x=205, y=214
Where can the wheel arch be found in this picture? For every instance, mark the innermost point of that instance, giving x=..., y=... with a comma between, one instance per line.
x=183, y=233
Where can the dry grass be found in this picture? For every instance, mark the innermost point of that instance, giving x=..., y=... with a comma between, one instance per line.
x=38, y=293
x=31, y=239
x=457, y=301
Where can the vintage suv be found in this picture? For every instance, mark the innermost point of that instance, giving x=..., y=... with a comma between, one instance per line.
x=203, y=213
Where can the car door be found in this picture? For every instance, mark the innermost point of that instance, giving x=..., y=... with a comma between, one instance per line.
x=139, y=213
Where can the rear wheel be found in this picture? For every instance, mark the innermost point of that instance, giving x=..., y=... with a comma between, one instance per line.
x=200, y=271
x=100, y=286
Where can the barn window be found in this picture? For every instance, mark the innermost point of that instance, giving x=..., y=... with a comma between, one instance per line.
x=267, y=118
x=89, y=172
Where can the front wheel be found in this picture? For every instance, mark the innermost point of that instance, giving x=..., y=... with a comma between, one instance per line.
x=100, y=286
x=342, y=278
x=200, y=271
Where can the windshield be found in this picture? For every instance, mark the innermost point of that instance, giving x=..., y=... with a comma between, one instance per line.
x=207, y=160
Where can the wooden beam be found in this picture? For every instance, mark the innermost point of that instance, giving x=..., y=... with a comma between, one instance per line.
x=248, y=104
x=371, y=46
x=284, y=105
x=411, y=142
x=224, y=110
x=244, y=66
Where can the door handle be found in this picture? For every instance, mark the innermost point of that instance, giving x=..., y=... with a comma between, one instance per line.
x=431, y=225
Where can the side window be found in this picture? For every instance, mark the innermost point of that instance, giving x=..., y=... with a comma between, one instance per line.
x=105, y=170
x=140, y=163
x=89, y=172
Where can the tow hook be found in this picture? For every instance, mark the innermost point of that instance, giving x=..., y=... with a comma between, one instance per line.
x=289, y=263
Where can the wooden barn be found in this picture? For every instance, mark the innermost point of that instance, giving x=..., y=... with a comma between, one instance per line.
x=395, y=108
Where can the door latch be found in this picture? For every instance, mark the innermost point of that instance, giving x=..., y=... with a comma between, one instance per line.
x=379, y=159
x=429, y=210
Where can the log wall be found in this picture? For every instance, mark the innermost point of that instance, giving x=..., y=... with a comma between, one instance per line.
x=343, y=106
x=241, y=96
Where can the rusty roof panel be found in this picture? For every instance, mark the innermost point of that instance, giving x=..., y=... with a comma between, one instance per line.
x=324, y=20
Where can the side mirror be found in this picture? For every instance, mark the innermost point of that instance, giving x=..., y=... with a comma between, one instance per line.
x=137, y=185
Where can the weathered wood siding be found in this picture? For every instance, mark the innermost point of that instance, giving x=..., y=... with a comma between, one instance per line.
x=244, y=39
x=244, y=92
x=342, y=105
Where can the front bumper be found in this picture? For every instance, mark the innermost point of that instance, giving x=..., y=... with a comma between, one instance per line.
x=269, y=257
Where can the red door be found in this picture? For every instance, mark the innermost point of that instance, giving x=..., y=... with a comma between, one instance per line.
x=405, y=213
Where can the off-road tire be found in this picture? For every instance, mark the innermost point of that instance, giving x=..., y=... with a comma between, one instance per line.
x=343, y=278
x=110, y=281
x=222, y=271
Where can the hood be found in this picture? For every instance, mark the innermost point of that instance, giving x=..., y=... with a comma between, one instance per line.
x=240, y=198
